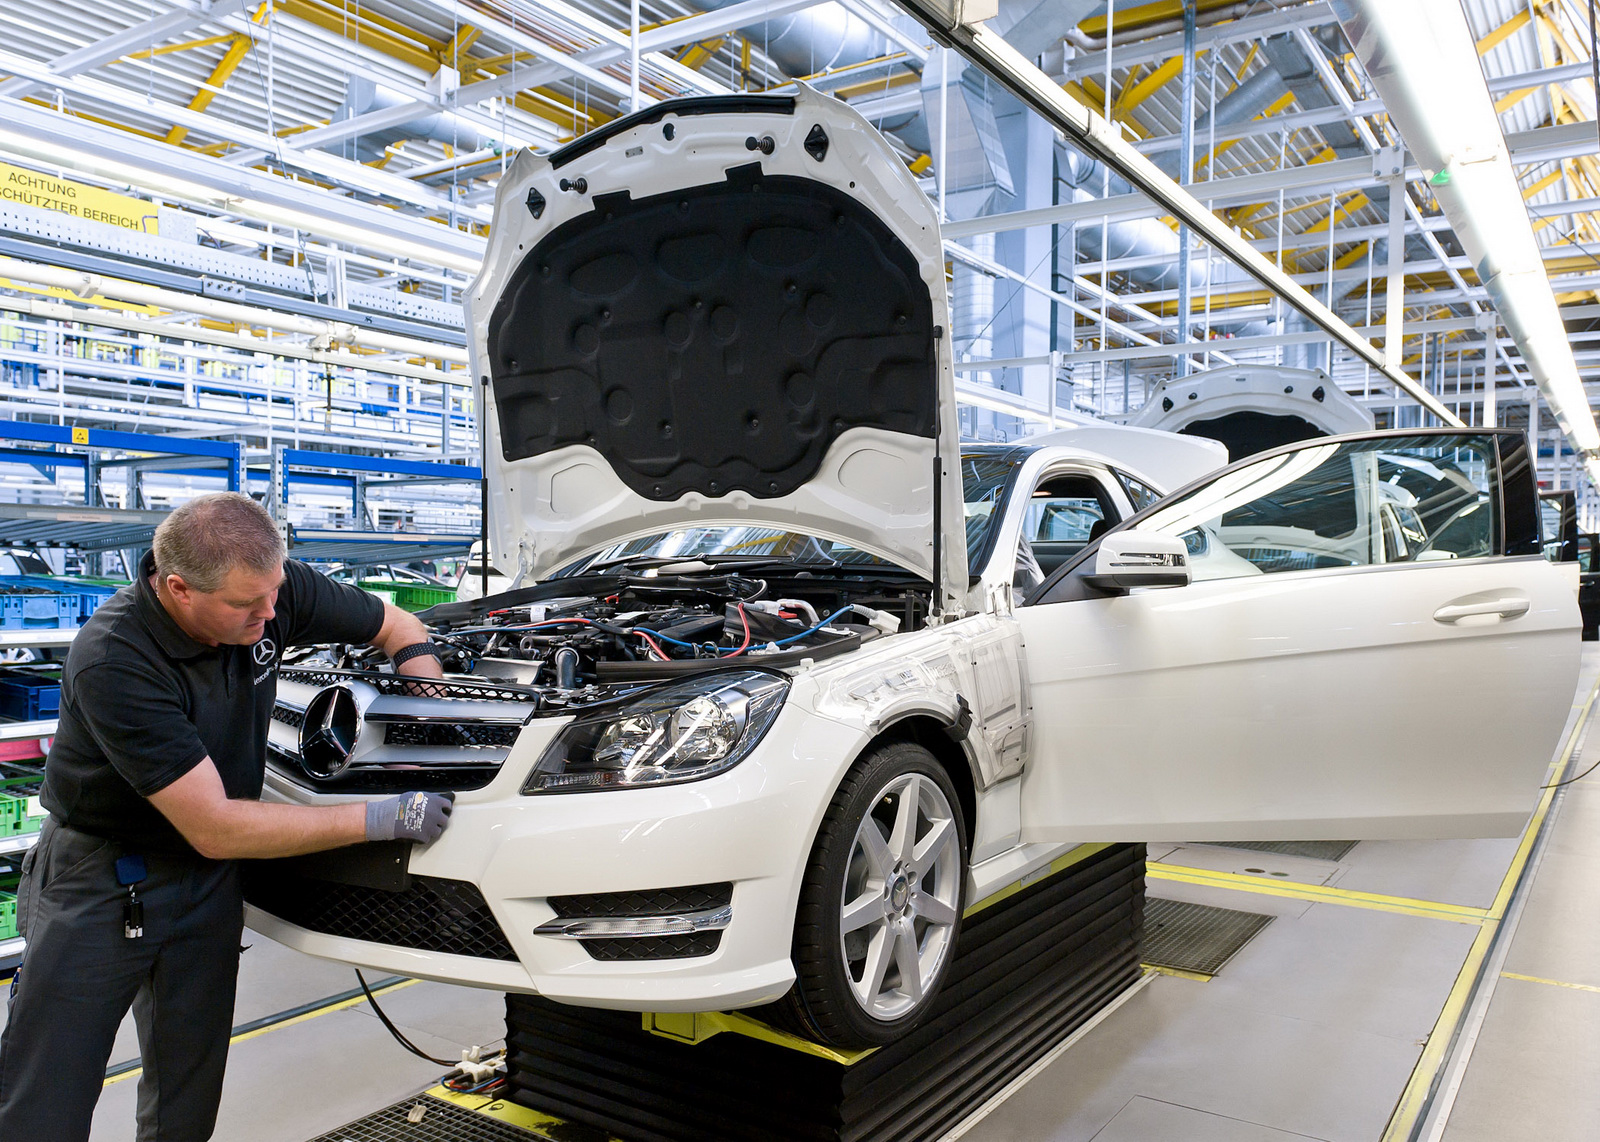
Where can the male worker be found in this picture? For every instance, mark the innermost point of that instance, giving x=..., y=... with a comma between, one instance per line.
x=131, y=896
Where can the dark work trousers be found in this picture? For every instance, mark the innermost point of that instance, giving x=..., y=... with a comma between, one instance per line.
x=80, y=975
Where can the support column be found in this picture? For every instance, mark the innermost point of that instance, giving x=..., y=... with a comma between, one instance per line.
x=1491, y=369
x=1185, y=175
x=1533, y=429
x=1395, y=287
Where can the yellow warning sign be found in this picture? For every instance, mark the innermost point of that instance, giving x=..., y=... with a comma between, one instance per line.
x=30, y=188
x=46, y=192
x=80, y=436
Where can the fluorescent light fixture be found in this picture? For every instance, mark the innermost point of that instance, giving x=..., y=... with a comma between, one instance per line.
x=1421, y=57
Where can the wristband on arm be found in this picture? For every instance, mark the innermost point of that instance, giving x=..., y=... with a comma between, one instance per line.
x=417, y=650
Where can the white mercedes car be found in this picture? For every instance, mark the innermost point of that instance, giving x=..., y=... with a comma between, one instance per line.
x=788, y=677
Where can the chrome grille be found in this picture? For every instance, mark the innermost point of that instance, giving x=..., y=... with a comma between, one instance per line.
x=402, y=686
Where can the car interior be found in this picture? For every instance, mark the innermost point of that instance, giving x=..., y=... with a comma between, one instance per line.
x=1065, y=515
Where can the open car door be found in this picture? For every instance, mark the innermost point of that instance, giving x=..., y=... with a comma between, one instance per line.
x=1370, y=645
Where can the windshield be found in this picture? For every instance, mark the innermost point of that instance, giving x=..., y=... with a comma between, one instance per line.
x=986, y=479
x=726, y=543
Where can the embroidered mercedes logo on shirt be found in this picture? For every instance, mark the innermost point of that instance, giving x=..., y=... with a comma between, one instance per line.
x=264, y=651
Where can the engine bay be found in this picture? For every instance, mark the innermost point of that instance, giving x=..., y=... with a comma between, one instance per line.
x=572, y=641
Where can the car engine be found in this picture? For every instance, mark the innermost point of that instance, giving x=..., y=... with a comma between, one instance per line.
x=559, y=648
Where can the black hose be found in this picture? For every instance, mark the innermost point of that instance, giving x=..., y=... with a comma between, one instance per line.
x=395, y=1031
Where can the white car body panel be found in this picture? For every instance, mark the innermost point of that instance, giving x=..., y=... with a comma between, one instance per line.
x=875, y=488
x=1158, y=457
x=1179, y=402
x=1297, y=706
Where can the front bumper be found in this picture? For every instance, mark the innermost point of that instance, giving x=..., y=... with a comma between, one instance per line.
x=752, y=827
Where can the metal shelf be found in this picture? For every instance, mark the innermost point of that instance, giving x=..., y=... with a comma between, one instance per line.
x=17, y=639
x=11, y=846
x=369, y=547
x=88, y=529
x=21, y=731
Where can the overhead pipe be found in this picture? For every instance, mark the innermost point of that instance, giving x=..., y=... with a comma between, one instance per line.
x=1422, y=59
x=812, y=40
x=1087, y=43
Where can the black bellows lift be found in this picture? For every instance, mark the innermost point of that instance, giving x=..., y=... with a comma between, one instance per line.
x=1033, y=964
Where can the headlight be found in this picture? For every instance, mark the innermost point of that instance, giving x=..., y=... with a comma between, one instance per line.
x=682, y=732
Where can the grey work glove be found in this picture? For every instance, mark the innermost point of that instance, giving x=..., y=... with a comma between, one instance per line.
x=419, y=817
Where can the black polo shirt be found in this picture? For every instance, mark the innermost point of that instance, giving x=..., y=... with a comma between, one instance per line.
x=142, y=703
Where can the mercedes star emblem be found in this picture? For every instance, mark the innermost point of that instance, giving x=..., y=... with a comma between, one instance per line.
x=328, y=734
x=263, y=651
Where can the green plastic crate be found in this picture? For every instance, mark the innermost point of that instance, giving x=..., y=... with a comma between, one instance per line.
x=384, y=593
x=409, y=596
x=8, y=913
x=20, y=811
x=413, y=598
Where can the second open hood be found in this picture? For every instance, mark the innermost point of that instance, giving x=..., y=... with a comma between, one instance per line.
x=726, y=310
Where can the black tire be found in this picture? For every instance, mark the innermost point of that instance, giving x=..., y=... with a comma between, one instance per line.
x=827, y=1002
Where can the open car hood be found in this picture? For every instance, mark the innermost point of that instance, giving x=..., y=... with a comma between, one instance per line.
x=720, y=311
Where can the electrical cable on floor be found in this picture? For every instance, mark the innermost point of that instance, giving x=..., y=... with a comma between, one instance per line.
x=1577, y=751
x=395, y=1031
x=1570, y=780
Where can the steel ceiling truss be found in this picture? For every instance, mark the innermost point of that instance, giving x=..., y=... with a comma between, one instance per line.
x=225, y=140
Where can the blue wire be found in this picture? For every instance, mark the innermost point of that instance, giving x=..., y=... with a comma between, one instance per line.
x=655, y=634
x=819, y=626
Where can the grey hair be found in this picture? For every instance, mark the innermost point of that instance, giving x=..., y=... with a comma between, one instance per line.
x=204, y=539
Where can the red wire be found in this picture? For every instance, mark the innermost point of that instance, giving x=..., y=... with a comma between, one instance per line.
x=655, y=646
x=744, y=618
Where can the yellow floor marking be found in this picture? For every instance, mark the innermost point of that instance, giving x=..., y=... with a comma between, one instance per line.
x=1550, y=982
x=697, y=1027
x=1178, y=973
x=1414, y=1099
x=328, y=1010
x=1318, y=893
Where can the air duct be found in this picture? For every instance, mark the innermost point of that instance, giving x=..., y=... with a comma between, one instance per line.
x=972, y=303
x=812, y=40
x=363, y=96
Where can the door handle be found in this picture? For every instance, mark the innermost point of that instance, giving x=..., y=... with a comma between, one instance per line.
x=1505, y=607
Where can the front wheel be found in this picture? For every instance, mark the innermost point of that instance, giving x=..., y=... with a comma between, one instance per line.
x=880, y=906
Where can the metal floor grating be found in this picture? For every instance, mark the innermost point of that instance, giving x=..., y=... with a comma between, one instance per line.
x=444, y=1122
x=1195, y=937
x=1316, y=850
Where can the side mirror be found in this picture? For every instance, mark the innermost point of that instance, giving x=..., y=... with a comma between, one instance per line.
x=1128, y=559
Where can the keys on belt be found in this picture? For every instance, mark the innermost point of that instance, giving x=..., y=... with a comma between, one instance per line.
x=131, y=872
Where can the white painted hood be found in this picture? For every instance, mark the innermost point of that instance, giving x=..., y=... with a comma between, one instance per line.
x=724, y=310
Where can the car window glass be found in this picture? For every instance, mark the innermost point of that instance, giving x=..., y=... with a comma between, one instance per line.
x=1400, y=499
x=1586, y=552
x=1062, y=516
x=1551, y=510
x=686, y=543
x=985, y=480
x=1140, y=493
